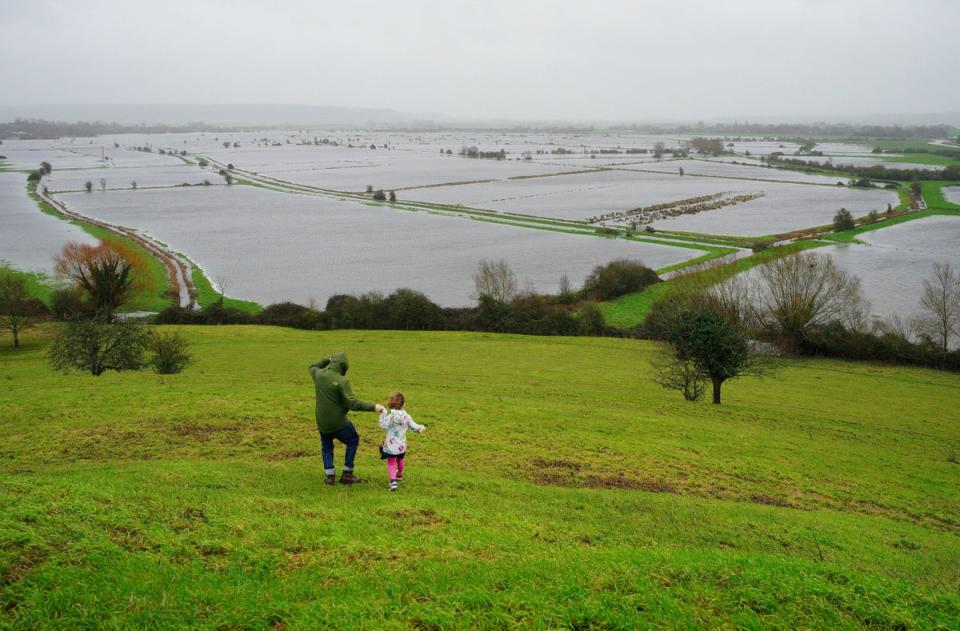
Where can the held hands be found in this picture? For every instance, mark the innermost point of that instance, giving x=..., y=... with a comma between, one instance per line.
x=379, y=409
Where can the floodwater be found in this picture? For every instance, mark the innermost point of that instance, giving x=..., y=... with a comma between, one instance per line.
x=895, y=261
x=30, y=239
x=278, y=246
x=952, y=193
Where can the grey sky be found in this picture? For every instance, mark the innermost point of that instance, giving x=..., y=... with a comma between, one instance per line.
x=512, y=59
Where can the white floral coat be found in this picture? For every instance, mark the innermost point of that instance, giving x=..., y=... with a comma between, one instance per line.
x=396, y=423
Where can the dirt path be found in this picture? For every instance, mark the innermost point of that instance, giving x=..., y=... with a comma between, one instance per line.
x=178, y=269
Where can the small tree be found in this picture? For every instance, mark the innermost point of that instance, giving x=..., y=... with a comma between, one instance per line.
x=45, y=167
x=940, y=306
x=228, y=178
x=202, y=162
x=393, y=196
x=380, y=196
x=133, y=185
x=171, y=353
x=18, y=312
x=97, y=346
x=369, y=188
x=103, y=184
x=88, y=186
x=713, y=347
x=843, y=220
x=565, y=290
x=495, y=280
x=108, y=273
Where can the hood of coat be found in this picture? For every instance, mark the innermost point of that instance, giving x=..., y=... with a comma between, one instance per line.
x=339, y=363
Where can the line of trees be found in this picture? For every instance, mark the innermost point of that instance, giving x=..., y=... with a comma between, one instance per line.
x=502, y=306
x=721, y=328
x=876, y=171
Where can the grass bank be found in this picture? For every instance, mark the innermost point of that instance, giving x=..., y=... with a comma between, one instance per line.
x=814, y=499
x=154, y=300
x=631, y=310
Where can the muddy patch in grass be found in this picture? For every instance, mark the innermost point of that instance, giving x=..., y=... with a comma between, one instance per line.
x=419, y=517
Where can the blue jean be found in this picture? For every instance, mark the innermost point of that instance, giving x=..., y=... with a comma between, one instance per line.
x=349, y=437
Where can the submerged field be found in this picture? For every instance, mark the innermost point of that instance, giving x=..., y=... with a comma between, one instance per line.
x=557, y=485
x=298, y=223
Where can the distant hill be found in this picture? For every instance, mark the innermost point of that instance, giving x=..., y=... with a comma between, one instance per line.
x=221, y=115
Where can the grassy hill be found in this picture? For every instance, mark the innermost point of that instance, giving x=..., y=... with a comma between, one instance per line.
x=557, y=485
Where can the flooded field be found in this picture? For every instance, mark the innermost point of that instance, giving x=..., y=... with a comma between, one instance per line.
x=280, y=246
x=30, y=239
x=277, y=246
x=781, y=208
x=126, y=177
x=895, y=261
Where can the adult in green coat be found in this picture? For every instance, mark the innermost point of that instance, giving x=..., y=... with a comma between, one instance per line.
x=334, y=399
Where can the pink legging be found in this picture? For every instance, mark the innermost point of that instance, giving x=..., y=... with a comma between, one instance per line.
x=394, y=467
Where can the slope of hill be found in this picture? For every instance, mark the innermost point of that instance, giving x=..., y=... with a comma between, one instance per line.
x=557, y=485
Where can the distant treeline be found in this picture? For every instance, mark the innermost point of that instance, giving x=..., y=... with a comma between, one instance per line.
x=806, y=130
x=876, y=171
x=34, y=129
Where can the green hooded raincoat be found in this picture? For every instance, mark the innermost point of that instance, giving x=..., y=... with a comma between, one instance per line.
x=334, y=394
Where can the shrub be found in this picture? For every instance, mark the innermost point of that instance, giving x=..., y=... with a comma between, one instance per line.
x=34, y=176
x=843, y=220
x=618, y=278
x=412, y=311
x=590, y=321
x=380, y=196
x=170, y=353
x=67, y=303
x=97, y=346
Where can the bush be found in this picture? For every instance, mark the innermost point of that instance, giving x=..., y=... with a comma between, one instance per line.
x=380, y=196
x=67, y=303
x=843, y=220
x=412, y=311
x=170, y=353
x=293, y=315
x=590, y=321
x=34, y=176
x=96, y=346
x=618, y=278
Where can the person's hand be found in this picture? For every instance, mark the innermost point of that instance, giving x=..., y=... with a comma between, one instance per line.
x=422, y=429
x=379, y=408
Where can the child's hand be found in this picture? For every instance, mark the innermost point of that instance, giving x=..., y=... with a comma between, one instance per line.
x=422, y=429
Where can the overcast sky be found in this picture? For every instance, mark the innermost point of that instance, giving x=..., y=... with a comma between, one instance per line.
x=560, y=59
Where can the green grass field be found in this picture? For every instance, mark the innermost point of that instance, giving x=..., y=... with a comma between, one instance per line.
x=556, y=486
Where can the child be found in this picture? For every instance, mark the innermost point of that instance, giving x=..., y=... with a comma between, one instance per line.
x=396, y=421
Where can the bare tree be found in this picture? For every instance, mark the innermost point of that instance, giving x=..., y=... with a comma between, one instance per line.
x=103, y=184
x=496, y=280
x=681, y=375
x=940, y=306
x=804, y=292
x=222, y=284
